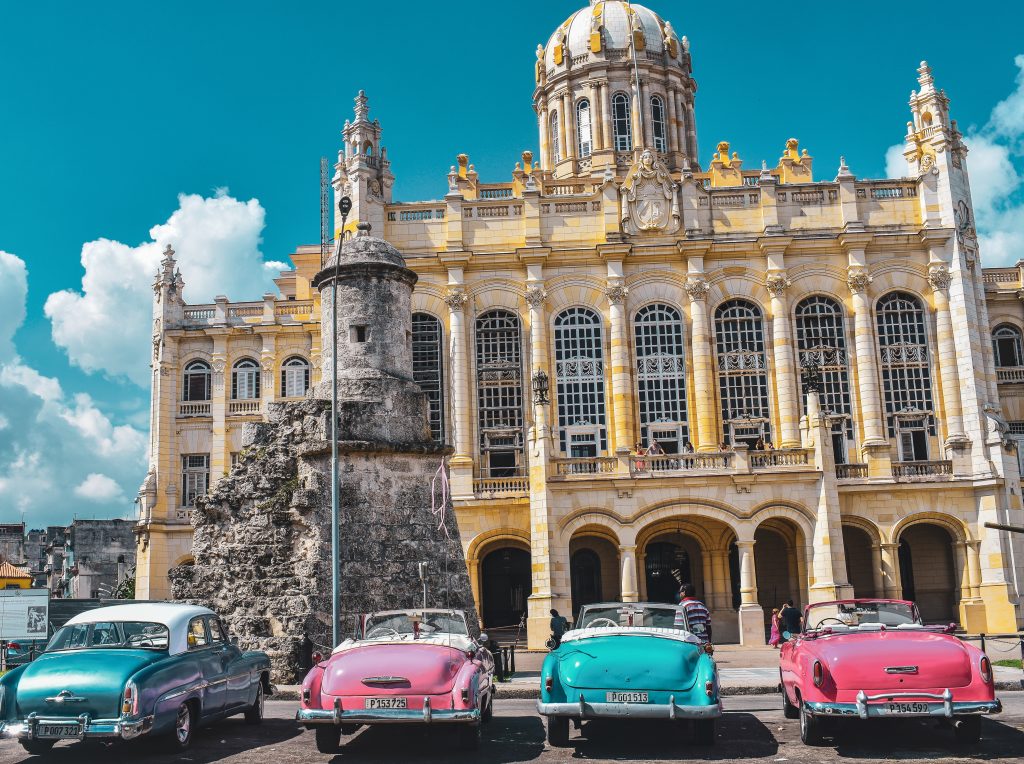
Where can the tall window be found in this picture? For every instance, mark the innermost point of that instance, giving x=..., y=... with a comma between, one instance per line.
x=499, y=378
x=584, y=129
x=661, y=376
x=821, y=342
x=195, y=477
x=245, y=379
x=196, y=385
x=622, y=128
x=658, y=124
x=906, y=377
x=579, y=372
x=427, y=369
x=295, y=377
x=1006, y=344
x=742, y=375
x=555, y=156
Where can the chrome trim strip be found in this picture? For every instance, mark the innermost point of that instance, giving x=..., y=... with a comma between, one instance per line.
x=384, y=679
x=901, y=669
x=311, y=716
x=670, y=710
x=942, y=709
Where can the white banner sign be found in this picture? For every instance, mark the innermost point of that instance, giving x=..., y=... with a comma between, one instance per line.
x=24, y=613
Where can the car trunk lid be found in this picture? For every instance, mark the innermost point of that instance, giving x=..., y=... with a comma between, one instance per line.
x=895, y=660
x=629, y=662
x=409, y=668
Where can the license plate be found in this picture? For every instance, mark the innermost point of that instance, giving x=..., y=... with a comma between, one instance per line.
x=907, y=708
x=58, y=731
x=626, y=697
x=386, y=703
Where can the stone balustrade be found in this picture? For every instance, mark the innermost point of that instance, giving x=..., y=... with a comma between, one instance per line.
x=851, y=471
x=914, y=470
x=243, y=313
x=194, y=408
x=489, y=488
x=586, y=466
x=673, y=463
x=1010, y=374
x=789, y=457
x=244, y=408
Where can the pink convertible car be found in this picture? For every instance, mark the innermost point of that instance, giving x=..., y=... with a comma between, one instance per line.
x=870, y=658
x=408, y=667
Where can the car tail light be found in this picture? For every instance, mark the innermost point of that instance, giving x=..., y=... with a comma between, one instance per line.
x=130, y=703
x=986, y=669
x=465, y=695
x=818, y=674
x=13, y=646
x=317, y=658
x=306, y=694
x=549, y=682
x=709, y=648
x=709, y=688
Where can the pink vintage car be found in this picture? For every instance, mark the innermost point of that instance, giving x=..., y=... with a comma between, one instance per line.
x=408, y=667
x=870, y=658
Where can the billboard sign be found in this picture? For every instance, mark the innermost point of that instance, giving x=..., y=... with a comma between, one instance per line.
x=24, y=613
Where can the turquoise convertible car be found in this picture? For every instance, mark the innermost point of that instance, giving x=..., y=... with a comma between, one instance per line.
x=119, y=672
x=630, y=660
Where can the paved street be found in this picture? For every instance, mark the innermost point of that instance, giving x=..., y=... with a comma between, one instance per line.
x=753, y=730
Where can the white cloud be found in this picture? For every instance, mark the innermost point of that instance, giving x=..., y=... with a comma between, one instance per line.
x=4, y=422
x=13, y=291
x=99, y=488
x=1008, y=115
x=106, y=326
x=275, y=266
x=895, y=163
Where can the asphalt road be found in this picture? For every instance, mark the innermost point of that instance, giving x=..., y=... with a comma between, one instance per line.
x=753, y=729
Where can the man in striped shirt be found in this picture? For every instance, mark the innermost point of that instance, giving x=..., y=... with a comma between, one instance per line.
x=697, y=616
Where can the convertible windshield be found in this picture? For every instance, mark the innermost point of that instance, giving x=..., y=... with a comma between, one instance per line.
x=384, y=625
x=866, y=613
x=110, y=634
x=614, y=616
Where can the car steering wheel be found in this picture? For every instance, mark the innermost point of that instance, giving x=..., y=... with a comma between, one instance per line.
x=385, y=631
x=840, y=621
x=599, y=622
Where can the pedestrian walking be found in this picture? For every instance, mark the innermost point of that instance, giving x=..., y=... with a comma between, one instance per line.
x=776, y=634
x=559, y=625
x=698, y=617
x=790, y=618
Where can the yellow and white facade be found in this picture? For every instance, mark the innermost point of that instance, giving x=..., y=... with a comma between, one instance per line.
x=618, y=291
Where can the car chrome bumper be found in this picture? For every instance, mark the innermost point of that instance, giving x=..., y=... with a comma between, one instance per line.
x=426, y=715
x=90, y=729
x=671, y=710
x=867, y=706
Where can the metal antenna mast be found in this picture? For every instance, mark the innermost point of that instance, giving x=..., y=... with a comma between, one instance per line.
x=325, y=212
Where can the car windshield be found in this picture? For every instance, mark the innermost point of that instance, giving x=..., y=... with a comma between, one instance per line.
x=384, y=625
x=862, y=613
x=619, y=615
x=110, y=634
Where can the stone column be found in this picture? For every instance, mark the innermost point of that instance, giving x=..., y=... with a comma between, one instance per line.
x=568, y=120
x=785, y=376
x=606, y=118
x=702, y=358
x=721, y=590
x=690, y=132
x=645, y=122
x=627, y=554
x=542, y=129
x=751, y=616
x=622, y=378
x=672, y=129
x=596, y=120
x=876, y=444
x=634, y=114
x=220, y=400
x=939, y=278
x=876, y=571
x=891, y=570
x=973, y=549
x=461, y=462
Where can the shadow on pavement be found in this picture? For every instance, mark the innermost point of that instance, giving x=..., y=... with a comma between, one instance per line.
x=740, y=735
x=922, y=739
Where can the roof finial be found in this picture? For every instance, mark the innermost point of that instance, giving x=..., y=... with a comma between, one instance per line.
x=924, y=77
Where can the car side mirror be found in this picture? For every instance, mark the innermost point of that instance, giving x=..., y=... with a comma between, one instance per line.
x=482, y=639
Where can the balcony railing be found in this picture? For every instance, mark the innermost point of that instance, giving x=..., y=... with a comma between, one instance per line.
x=592, y=465
x=194, y=408
x=244, y=408
x=670, y=463
x=921, y=469
x=1009, y=374
x=488, y=488
x=790, y=457
x=847, y=471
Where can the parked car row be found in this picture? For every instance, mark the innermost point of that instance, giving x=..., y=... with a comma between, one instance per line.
x=117, y=673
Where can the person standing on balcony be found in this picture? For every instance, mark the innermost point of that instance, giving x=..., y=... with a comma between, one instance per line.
x=640, y=451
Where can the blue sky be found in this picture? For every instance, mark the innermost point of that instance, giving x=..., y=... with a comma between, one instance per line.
x=109, y=112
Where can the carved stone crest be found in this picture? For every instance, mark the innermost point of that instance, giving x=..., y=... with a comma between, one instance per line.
x=649, y=200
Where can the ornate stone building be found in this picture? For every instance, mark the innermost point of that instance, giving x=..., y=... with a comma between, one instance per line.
x=617, y=290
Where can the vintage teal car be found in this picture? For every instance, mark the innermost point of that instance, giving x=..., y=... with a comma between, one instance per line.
x=630, y=660
x=119, y=672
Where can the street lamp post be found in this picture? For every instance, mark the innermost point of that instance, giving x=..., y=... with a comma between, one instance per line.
x=344, y=207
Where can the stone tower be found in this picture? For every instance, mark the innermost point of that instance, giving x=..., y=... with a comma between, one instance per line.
x=262, y=540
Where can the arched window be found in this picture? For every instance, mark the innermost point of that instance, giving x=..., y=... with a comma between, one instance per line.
x=555, y=156
x=584, y=131
x=579, y=373
x=427, y=368
x=1006, y=344
x=196, y=386
x=294, y=377
x=499, y=380
x=906, y=376
x=661, y=376
x=821, y=342
x=658, y=124
x=622, y=128
x=742, y=374
x=245, y=379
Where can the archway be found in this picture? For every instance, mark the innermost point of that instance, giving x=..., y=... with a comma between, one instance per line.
x=778, y=562
x=505, y=585
x=860, y=563
x=593, y=570
x=671, y=560
x=928, y=571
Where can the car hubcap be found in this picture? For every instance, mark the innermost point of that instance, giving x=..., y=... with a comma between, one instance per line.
x=184, y=724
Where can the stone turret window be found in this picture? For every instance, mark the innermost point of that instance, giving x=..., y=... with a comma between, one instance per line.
x=427, y=369
x=358, y=333
x=821, y=342
x=555, y=149
x=661, y=376
x=742, y=372
x=1006, y=345
x=245, y=380
x=622, y=127
x=295, y=377
x=906, y=376
x=195, y=477
x=196, y=384
x=579, y=377
x=658, y=124
x=584, y=128
x=499, y=375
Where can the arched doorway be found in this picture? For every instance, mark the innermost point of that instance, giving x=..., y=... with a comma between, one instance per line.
x=778, y=559
x=859, y=562
x=505, y=585
x=594, y=570
x=586, y=578
x=670, y=562
x=928, y=571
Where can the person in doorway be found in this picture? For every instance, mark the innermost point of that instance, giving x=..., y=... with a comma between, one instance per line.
x=697, y=615
x=559, y=625
x=775, y=638
x=790, y=618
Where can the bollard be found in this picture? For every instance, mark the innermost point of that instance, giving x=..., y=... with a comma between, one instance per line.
x=499, y=663
x=512, y=659
x=1021, y=658
x=983, y=641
